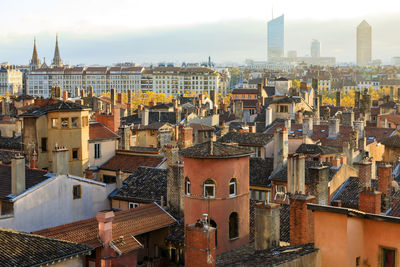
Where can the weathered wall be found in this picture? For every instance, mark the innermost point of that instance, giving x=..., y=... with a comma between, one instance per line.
x=107, y=151
x=309, y=260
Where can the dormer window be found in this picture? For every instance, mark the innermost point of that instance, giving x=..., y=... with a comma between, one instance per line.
x=232, y=187
x=209, y=188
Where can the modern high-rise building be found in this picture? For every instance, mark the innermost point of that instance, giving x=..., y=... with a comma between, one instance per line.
x=276, y=38
x=315, y=48
x=364, y=43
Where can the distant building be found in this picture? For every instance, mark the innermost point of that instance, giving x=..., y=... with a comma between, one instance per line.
x=34, y=63
x=315, y=48
x=57, y=62
x=276, y=38
x=364, y=43
x=10, y=80
x=292, y=54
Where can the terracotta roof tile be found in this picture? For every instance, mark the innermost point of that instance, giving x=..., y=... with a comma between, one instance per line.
x=127, y=223
x=214, y=150
x=130, y=163
x=98, y=131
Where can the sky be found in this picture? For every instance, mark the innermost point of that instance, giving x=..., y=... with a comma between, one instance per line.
x=105, y=32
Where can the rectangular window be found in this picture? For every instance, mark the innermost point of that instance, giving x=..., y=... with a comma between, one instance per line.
x=44, y=144
x=64, y=123
x=187, y=188
x=54, y=123
x=133, y=205
x=209, y=190
x=109, y=179
x=388, y=257
x=74, y=122
x=97, y=150
x=76, y=191
x=75, y=154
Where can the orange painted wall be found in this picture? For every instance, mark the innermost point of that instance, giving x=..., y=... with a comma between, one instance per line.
x=220, y=208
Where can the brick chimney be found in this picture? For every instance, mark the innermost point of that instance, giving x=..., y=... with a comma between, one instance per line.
x=348, y=118
x=280, y=148
x=17, y=175
x=296, y=173
x=200, y=249
x=105, y=219
x=89, y=173
x=370, y=201
x=119, y=98
x=267, y=226
x=307, y=126
x=364, y=173
x=385, y=178
x=186, y=137
x=60, y=164
x=301, y=220
x=65, y=95
x=33, y=161
x=112, y=97
x=318, y=183
x=333, y=128
x=298, y=117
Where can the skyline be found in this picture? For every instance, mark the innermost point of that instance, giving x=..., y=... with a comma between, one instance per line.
x=234, y=36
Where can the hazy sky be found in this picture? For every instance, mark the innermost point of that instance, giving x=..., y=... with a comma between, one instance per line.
x=103, y=32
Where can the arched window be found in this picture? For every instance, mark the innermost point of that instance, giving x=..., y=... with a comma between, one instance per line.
x=233, y=225
x=232, y=187
x=209, y=188
x=187, y=186
x=214, y=224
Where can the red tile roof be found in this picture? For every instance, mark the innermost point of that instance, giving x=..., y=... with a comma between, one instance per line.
x=395, y=118
x=98, y=131
x=127, y=223
x=130, y=163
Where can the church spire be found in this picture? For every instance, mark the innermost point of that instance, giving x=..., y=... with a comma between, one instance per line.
x=57, y=62
x=34, y=64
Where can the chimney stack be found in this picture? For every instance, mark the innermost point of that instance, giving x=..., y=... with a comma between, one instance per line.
x=370, y=201
x=125, y=132
x=280, y=148
x=89, y=173
x=112, y=97
x=91, y=91
x=145, y=117
x=318, y=185
x=60, y=164
x=338, y=98
x=301, y=220
x=359, y=127
x=186, y=137
x=348, y=118
x=364, y=173
x=77, y=92
x=65, y=95
x=224, y=128
x=333, y=128
x=33, y=162
x=296, y=173
x=104, y=220
x=267, y=226
x=307, y=126
x=17, y=175
x=268, y=116
x=119, y=98
x=385, y=178
x=118, y=178
x=298, y=117
x=200, y=248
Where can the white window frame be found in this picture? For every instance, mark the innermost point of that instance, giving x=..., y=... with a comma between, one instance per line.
x=204, y=190
x=234, y=187
x=280, y=194
x=187, y=187
x=133, y=205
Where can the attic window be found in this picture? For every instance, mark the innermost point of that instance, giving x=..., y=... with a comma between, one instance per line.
x=76, y=191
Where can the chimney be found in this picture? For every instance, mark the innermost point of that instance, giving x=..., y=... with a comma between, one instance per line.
x=296, y=173
x=112, y=97
x=267, y=226
x=91, y=91
x=200, y=247
x=77, y=92
x=359, y=127
x=357, y=99
x=385, y=178
x=17, y=175
x=175, y=181
x=201, y=98
x=119, y=98
x=348, y=118
x=224, y=128
x=89, y=173
x=33, y=162
x=125, y=141
x=333, y=128
x=288, y=124
x=268, y=116
x=176, y=135
x=118, y=178
x=354, y=140
x=301, y=220
x=307, y=126
x=252, y=129
x=364, y=173
x=318, y=183
x=298, y=117
x=60, y=164
x=370, y=201
x=280, y=148
x=104, y=220
x=65, y=95
x=58, y=92
x=145, y=117
x=186, y=137
x=338, y=98
x=385, y=123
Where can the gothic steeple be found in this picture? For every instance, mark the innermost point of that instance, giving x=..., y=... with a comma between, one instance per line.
x=57, y=62
x=34, y=64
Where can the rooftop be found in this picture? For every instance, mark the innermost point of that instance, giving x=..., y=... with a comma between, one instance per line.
x=246, y=139
x=59, y=106
x=98, y=131
x=214, y=150
x=130, y=163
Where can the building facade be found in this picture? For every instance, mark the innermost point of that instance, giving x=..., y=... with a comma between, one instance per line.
x=364, y=43
x=10, y=80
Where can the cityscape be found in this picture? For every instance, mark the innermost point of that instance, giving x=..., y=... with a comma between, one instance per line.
x=200, y=134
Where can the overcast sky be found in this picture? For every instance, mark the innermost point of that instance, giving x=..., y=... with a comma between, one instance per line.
x=104, y=32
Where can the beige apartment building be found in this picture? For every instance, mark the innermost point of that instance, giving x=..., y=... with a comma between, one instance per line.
x=10, y=80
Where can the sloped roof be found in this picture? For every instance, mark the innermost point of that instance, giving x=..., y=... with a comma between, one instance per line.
x=22, y=249
x=129, y=224
x=130, y=163
x=214, y=150
x=146, y=184
x=260, y=170
x=32, y=178
x=317, y=149
x=98, y=131
x=59, y=106
x=246, y=139
x=393, y=141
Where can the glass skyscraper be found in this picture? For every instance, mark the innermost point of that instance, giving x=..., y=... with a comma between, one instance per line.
x=276, y=38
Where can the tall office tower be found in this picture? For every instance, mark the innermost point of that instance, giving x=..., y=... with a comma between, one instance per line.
x=364, y=43
x=275, y=38
x=315, y=48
